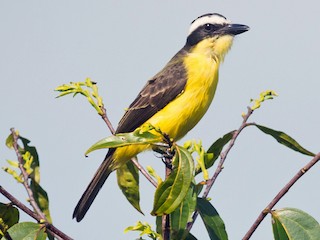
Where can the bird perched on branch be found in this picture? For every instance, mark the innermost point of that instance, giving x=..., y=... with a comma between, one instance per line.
x=175, y=99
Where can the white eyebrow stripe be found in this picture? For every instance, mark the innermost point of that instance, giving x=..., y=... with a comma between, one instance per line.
x=212, y=19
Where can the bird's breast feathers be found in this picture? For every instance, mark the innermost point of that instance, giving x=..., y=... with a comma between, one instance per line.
x=186, y=110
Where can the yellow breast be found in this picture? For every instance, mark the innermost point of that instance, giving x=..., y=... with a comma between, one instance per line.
x=185, y=111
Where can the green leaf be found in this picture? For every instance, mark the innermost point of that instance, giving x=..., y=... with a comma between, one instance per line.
x=182, y=215
x=279, y=232
x=9, y=141
x=41, y=198
x=124, y=139
x=294, y=224
x=153, y=174
x=88, y=89
x=215, y=149
x=266, y=95
x=145, y=229
x=9, y=215
x=202, y=158
x=27, y=231
x=30, y=159
x=199, y=187
x=190, y=237
x=159, y=224
x=128, y=181
x=284, y=139
x=35, y=165
x=173, y=190
x=13, y=163
x=27, y=159
x=14, y=174
x=213, y=222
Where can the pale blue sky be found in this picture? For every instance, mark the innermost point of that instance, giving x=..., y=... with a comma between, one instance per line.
x=120, y=44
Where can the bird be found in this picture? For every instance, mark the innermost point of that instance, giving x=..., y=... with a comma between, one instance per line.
x=175, y=99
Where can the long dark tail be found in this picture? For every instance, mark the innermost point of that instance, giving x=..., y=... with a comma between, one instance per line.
x=93, y=188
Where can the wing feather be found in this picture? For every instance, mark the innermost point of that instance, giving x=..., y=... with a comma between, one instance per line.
x=155, y=95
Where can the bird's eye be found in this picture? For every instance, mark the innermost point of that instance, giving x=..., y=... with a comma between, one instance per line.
x=208, y=27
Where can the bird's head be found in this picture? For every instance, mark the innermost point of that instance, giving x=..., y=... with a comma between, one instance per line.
x=213, y=31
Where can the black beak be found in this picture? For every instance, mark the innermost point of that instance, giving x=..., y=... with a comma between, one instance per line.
x=233, y=29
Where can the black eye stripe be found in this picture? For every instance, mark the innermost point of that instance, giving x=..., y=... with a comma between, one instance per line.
x=208, y=26
x=211, y=27
x=204, y=31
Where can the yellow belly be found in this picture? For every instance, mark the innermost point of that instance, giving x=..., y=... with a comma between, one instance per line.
x=184, y=112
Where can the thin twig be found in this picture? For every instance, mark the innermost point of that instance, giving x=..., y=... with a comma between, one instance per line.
x=166, y=227
x=166, y=218
x=226, y=152
x=106, y=119
x=277, y=198
x=51, y=229
x=144, y=172
x=223, y=157
x=25, y=176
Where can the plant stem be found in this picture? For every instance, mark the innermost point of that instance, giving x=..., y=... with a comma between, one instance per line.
x=106, y=119
x=226, y=152
x=144, y=172
x=282, y=192
x=165, y=227
x=25, y=176
x=166, y=218
x=223, y=157
x=51, y=229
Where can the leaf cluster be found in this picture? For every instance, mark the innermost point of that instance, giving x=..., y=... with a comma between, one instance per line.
x=87, y=88
x=179, y=195
x=26, y=171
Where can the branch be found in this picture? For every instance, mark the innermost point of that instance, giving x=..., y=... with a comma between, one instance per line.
x=51, y=229
x=226, y=152
x=38, y=214
x=277, y=198
x=144, y=172
x=25, y=176
x=106, y=119
x=166, y=227
x=166, y=218
x=223, y=157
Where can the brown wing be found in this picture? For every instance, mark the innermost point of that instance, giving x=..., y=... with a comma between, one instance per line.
x=156, y=94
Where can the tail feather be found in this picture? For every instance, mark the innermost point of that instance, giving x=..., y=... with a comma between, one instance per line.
x=93, y=188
